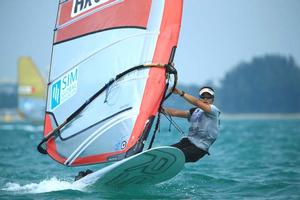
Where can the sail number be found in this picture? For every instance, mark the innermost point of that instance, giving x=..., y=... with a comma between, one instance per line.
x=80, y=6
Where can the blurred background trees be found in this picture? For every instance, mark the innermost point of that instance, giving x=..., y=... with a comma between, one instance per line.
x=267, y=84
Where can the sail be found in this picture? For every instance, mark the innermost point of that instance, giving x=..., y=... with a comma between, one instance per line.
x=31, y=91
x=30, y=81
x=106, y=80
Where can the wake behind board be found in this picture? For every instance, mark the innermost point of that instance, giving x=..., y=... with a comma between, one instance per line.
x=149, y=167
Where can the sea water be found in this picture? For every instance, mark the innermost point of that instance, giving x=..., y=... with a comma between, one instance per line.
x=251, y=159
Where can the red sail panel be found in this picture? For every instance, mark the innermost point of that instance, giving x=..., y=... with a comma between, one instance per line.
x=101, y=17
x=168, y=38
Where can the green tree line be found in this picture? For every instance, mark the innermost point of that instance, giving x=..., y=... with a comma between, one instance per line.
x=266, y=84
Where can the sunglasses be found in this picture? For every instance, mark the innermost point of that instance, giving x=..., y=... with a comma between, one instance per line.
x=206, y=97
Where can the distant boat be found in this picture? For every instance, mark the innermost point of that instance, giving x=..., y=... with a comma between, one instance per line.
x=27, y=97
x=30, y=81
x=31, y=91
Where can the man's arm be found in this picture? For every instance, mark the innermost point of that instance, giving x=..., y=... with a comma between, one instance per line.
x=193, y=100
x=177, y=113
x=197, y=102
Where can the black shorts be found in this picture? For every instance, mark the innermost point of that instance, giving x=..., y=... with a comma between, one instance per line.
x=192, y=153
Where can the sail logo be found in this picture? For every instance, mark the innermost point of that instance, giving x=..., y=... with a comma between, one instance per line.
x=64, y=88
x=80, y=6
x=55, y=94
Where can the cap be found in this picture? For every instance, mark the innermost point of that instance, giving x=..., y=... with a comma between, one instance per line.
x=208, y=90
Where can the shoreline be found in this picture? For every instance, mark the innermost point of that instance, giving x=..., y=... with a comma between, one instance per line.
x=259, y=116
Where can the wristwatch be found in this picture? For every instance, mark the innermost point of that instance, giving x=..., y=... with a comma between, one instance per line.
x=182, y=93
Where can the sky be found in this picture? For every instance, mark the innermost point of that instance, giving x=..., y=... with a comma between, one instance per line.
x=215, y=36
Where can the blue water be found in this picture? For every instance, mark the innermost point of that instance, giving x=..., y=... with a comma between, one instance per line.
x=252, y=159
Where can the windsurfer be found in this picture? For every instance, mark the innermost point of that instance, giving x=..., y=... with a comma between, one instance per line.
x=204, y=123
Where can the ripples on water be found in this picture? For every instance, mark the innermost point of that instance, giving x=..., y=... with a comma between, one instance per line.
x=254, y=159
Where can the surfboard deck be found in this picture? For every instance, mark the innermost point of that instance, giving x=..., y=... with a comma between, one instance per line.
x=146, y=168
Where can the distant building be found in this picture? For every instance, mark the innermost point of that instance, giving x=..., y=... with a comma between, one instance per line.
x=8, y=95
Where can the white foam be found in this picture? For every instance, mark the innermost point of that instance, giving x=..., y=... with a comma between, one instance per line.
x=29, y=128
x=48, y=185
x=6, y=127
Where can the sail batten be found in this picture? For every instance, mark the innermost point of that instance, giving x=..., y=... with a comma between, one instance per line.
x=91, y=126
x=107, y=77
x=89, y=56
x=85, y=144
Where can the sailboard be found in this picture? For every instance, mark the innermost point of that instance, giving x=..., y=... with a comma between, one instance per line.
x=109, y=74
x=148, y=167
